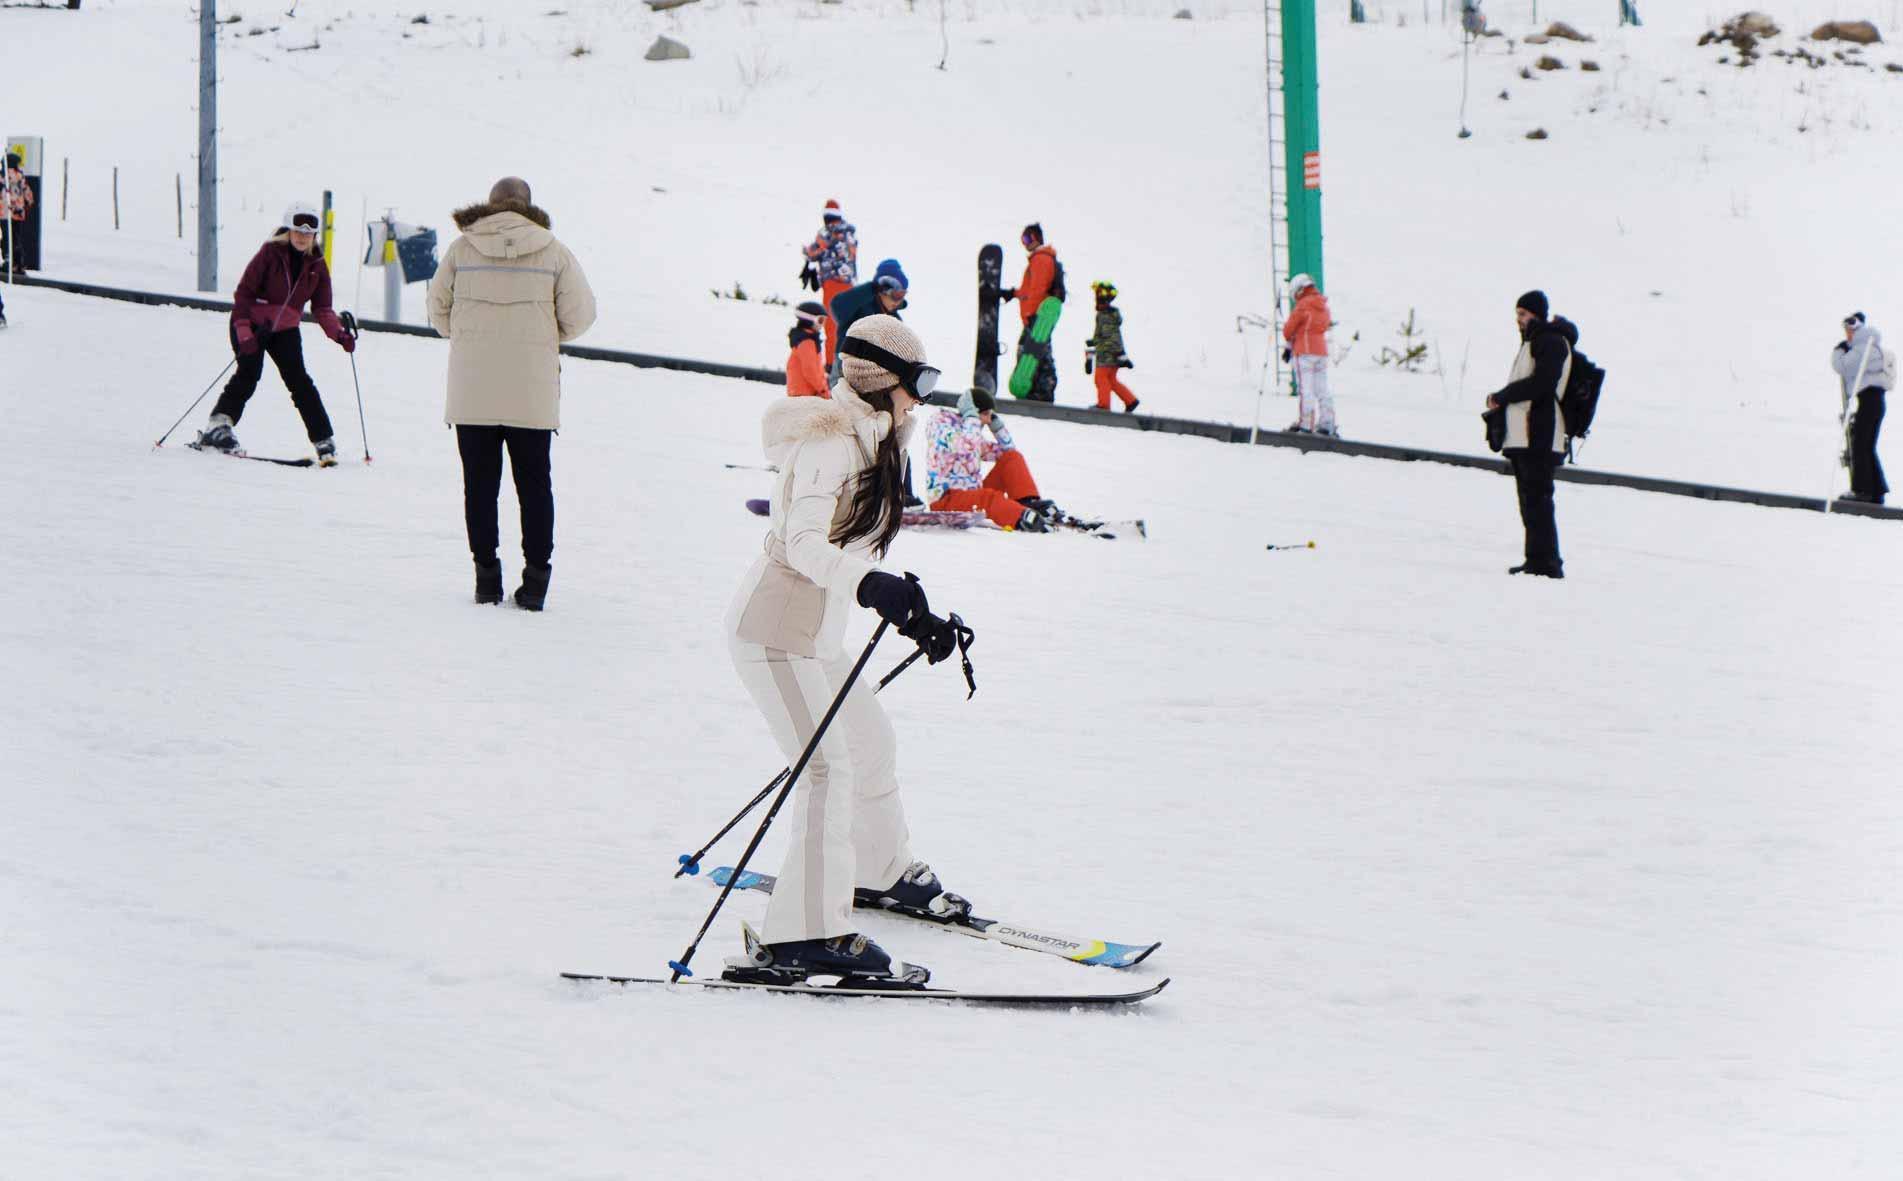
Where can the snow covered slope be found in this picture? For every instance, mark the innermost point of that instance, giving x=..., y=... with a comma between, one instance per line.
x=1458, y=875
x=1706, y=226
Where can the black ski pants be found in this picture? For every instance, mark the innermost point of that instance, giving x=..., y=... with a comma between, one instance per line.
x=286, y=349
x=1866, y=474
x=1533, y=478
x=481, y=448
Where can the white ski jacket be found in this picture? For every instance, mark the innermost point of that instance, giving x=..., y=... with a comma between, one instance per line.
x=798, y=593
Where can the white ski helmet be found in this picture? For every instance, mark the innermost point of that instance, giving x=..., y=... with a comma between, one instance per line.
x=1299, y=284
x=302, y=215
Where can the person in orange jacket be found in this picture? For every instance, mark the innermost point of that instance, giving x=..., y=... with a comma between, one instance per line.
x=805, y=372
x=1043, y=279
x=1306, y=331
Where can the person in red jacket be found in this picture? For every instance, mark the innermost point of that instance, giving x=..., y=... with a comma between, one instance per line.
x=805, y=372
x=1042, y=279
x=287, y=272
x=1306, y=331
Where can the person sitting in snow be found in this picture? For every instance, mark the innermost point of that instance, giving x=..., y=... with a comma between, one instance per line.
x=1306, y=331
x=805, y=374
x=955, y=480
x=832, y=266
x=287, y=272
x=1107, y=345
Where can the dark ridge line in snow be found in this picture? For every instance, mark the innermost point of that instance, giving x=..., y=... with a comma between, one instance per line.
x=1220, y=431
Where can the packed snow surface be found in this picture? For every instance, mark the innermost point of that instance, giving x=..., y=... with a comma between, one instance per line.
x=1457, y=875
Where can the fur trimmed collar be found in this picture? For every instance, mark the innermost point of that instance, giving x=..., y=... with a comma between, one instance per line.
x=469, y=215
x=790, y=421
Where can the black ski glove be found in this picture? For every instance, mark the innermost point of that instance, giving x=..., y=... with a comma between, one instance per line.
x=899, y=601
x=1288, y=355
x=809, y=278
x=936, y=636
x=1843, y=346
x=1124, y=362
x=1007, y=293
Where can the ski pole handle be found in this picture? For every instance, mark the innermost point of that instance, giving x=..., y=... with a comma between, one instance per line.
x=1309, y=545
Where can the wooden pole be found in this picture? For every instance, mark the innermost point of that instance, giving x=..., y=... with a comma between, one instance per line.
x=115, y=196
x=65, y=177
x=178, y=190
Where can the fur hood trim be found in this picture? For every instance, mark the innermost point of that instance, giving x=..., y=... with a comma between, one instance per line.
x=469, y=215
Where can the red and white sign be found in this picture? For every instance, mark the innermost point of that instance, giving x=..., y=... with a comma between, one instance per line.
x=1311, y=170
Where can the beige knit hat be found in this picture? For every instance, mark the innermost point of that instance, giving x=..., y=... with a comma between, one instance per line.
x=888, y=333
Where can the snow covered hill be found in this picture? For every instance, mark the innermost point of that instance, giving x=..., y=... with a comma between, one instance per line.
x=1707, y=226
x=1456, y=876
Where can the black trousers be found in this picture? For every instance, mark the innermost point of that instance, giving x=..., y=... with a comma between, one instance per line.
x=1533, y=478
x=287, y=350
x=1866, y=474
x=481, y=448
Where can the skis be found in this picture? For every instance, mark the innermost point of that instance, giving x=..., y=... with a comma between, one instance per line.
x=260, y=458
x=1083, y=951
x=984, y=374
x=1036, y=999
x=914, y=518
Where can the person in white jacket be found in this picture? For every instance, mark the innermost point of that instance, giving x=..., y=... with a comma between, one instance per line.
x=835, y=510
x=1865, y=372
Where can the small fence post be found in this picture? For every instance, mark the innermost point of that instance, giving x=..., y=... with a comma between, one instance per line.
x=115, y=196
x=65, y=176
x=178, y=191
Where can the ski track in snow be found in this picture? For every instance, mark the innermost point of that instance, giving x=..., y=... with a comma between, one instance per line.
x=1457, y=876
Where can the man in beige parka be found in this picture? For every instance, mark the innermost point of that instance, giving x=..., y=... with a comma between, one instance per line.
x=507, y=294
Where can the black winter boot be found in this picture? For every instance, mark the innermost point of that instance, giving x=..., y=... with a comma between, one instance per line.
x=534, y=589
x=488, y=582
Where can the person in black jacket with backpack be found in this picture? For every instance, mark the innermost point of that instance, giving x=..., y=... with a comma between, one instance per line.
x=1535, y=431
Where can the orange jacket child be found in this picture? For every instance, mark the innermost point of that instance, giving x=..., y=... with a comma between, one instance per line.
x=1306, y=329
x=805, y=372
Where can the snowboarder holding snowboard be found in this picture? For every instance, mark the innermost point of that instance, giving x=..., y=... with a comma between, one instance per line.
x=1865, y=370
x=835, y=511
x=805, y=372
x=1535, y=431
x=832, y=265
x=1043, y=279
x=1306, y=334
x=955, y=479
x=287, y=272
x=507, y=294
x=1107, y=353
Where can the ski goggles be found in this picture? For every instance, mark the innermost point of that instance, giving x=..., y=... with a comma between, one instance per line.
x=918, y=379
x=304, y=222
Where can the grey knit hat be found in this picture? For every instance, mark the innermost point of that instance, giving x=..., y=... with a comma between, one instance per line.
x=888, y=333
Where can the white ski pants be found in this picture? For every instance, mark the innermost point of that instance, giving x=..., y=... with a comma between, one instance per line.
x=1317, y=404
x=844, y=823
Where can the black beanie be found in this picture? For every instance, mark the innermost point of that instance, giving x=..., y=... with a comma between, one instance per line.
x=1535, y=302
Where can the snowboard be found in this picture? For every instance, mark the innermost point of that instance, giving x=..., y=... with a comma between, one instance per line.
x=984, y=374
x=1025, y=375
x=912, y=518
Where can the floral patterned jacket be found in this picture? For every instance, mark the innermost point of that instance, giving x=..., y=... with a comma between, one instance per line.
x=959, y=451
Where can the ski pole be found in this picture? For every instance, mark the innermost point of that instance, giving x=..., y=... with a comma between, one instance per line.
x=1308, y=545
x=195, y=402
x=350, y=326
x=680, y=966
x=690, y=862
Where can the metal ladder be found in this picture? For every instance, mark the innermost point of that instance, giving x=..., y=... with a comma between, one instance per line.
x=1273, y=376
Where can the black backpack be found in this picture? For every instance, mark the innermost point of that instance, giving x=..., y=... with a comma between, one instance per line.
x=1580, y=399
x=1057, y=281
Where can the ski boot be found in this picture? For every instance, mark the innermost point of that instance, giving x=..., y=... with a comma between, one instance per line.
x=1032, y=521
x=858, y=962
x=534, y=589
x=217, y=435
x=327, y=453
x=919, y=893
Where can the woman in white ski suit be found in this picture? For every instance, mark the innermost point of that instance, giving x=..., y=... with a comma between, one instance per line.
x=786, y=624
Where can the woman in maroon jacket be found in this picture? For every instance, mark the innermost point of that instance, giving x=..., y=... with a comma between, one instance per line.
x=287, y=272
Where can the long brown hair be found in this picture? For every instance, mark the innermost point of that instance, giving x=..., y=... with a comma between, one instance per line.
x=878, y=499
